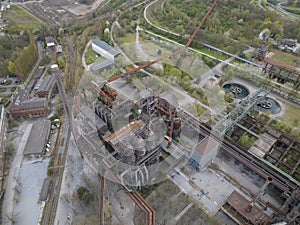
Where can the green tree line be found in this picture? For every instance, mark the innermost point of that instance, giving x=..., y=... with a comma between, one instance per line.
x=25, y=60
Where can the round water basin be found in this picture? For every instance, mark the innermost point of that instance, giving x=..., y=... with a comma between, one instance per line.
x=268, y=105
x=238, y=90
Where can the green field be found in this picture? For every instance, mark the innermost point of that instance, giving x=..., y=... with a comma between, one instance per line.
x=128, y=38
x=287, y=58
x=18, y=15
x=91, y=56
x=291, y=114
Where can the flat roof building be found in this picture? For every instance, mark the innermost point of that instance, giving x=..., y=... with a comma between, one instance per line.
x=37, y=138
x=49, y=41
x=45, y=189
x=97, y=67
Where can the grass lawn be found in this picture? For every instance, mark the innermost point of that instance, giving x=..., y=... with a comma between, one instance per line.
x=91, y=56
x=291, y=114
x=20, y=16
x=217, y=55
x=286, y=58
x=128, y=38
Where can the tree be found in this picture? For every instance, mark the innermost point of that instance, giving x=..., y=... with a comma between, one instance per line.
x=228, y=75
x=11, y=67
x=26, y=59
x=9, y=148
x=175, y=72
x=229, y=97
x=245, y=141
x=85, y=195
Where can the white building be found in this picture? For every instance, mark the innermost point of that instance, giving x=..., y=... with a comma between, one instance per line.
x=50, y=41
x=104, y=49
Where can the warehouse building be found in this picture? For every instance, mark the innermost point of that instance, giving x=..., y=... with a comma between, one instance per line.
x=37, y=138
x=104, y=49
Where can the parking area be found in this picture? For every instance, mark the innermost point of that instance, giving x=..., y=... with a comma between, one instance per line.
x=7, y=86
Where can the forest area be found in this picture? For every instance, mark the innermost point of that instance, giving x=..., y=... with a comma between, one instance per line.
x=10, y=46
x=18, y=51
x=231, y=21
x=25, y=59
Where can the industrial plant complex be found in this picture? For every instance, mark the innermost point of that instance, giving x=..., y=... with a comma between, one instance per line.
x=150, y=112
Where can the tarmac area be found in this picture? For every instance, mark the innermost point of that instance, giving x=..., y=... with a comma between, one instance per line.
x=31, y=177
x=24, y=183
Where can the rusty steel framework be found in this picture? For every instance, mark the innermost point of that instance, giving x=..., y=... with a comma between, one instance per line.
x=106, y=93
x=227, y=123
x=187, y=45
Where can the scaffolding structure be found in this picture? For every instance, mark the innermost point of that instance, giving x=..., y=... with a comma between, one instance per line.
x=227, y=123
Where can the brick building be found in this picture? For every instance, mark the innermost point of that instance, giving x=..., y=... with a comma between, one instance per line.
x=33, y=107
x=47, y=88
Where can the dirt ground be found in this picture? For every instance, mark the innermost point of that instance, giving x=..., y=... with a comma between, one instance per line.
x=58, y=11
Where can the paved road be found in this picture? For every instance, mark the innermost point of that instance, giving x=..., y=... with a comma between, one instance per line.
x=71, y=180
x=279, y=8
x=86, y=67
x=261, y=6
x=206, y=187
x=11, y=181
x=215, y=70
x=157, y=27
x=218, y=68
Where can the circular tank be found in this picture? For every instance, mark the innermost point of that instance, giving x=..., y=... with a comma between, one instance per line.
x=238, y=90
x=268, y=105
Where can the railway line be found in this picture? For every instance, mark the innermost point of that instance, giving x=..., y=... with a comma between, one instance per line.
x=250, y=161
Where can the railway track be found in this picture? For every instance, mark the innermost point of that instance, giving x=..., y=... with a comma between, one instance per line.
x=250, y=161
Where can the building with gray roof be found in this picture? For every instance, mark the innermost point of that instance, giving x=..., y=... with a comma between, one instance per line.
x=104, y=49
x=45, y=189
x=97, y=67
x=37, y=138
x=47, y=87
x=58, y=49
x=204, y=152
